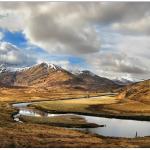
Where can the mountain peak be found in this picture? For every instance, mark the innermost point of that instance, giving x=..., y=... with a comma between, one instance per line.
x=83, y=72
x=51, y=75
x=47, y=66
x=50, y=66
x=87, y=72
x=123, y=81
x=5, y=68
x=2, y=68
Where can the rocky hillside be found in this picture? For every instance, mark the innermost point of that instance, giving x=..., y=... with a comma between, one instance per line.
x=95, y=82
x=42, y=75
x=138, y=91
x=50, y=75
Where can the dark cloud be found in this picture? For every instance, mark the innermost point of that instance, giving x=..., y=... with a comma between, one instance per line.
x=73, y=28
x=64, y=27
x=118, y=63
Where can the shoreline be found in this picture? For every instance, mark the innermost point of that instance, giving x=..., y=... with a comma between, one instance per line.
x=28, y=127
x=104, y=115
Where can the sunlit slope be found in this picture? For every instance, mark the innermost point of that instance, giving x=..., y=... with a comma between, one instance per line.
x=138, y=91
x=52, y=76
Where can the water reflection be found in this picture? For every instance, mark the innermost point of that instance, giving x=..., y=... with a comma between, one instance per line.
x=113, y=127
x=120, y=128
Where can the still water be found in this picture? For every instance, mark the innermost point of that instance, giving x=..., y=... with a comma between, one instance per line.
x=113, y=127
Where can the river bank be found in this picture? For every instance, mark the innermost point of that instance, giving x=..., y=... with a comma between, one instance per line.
x=14, y=134
x=90, y=124
x=103, y=106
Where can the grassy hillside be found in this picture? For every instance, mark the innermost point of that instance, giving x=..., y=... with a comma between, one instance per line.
x=138, y=91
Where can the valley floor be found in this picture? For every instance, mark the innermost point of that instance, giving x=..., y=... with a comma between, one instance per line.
x=32, y=134
x=105, y=106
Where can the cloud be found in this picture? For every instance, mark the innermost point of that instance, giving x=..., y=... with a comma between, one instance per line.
x=119, y=62
x=135, y=46
x=68, y=27
x=58, y=39
x=63, y=32
x=1, y=35
x=112, y=64
x=77, y=29
x=11, y=55
x=141, y=26
x=11, y=20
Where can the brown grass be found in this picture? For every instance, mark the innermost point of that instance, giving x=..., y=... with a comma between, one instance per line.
x=139, y=91
x=70, y=121
x=13, y=134
x=74, y=105
x=101, y=106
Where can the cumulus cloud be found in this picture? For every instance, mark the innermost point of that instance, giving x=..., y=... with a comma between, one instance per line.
x=11, y=55
x=113, y=64
x=141, y=26
x=136, y=46
x=53, y=28
x=68, y=27
x=11, y=21
x=73, y=28
x=60, y=39
x=119, y=62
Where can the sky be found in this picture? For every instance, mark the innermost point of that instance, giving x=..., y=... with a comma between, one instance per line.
x=110, y=39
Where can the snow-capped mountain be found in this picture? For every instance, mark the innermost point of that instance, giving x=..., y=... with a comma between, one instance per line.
x=87, y=72
x=123, y=81
x=51, y=75
x=79, y=72
x=2, y=68
x=45, y=65
x=6, y=68
x=75, y=71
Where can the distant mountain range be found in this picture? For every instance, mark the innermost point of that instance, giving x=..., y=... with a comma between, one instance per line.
x=123, y=81
x=50, y=75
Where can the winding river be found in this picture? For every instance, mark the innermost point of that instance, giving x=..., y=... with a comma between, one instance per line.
x=113, y=127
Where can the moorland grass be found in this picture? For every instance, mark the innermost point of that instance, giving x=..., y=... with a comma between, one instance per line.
x=14, y=134
x=69, y=121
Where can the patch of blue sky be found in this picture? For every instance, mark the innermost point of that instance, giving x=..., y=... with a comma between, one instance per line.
x=19, y=39
x=109, y=37
x=16, y=38
x=78, y=61
x=72, y=59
